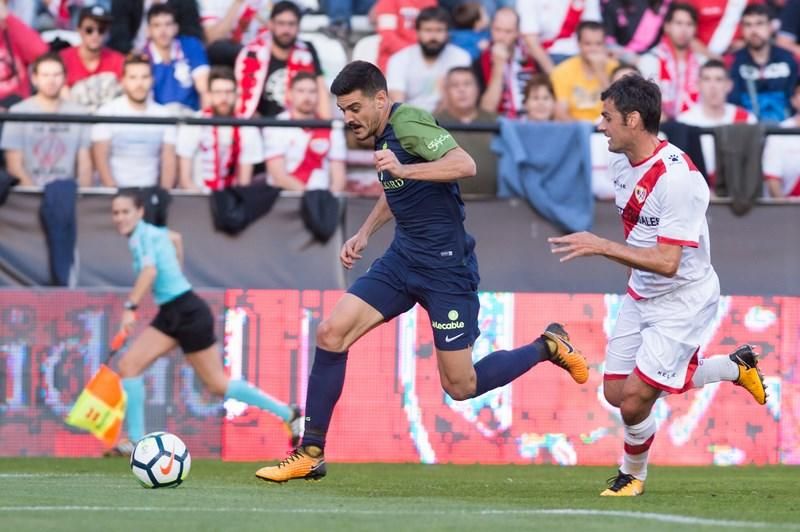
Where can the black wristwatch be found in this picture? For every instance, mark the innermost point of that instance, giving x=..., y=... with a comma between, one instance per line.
x=130, y=305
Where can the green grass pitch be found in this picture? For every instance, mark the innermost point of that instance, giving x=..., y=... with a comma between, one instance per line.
x=92, y=494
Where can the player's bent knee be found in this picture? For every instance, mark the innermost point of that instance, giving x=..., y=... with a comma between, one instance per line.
x=218, y=386
x=633, y=410
x=613, y=396
x=330, y=337
x=127, y=368
x=460, y=391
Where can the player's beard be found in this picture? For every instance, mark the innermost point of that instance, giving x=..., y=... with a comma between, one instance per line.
x=224, y=109
x=431, y=50
x=283, y=43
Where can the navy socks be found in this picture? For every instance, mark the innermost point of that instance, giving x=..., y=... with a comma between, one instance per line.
x=324, y=389
x=501, y=367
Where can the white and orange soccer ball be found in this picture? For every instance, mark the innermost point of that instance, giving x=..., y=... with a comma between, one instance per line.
x=160, y=460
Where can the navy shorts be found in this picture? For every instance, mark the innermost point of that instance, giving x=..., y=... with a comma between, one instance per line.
x=450, y=295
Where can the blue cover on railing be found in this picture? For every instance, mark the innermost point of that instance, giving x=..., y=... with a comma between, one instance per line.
x=550, y=164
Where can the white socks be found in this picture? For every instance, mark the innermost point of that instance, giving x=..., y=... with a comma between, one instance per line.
x=638, y=439
x=715, y=369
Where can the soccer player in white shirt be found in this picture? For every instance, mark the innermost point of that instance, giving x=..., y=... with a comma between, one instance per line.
x=673, y=290
x=781, y=160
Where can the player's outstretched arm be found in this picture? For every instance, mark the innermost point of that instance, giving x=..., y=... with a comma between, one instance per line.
x=662, y=259
x=453, y=165
x=351, y=250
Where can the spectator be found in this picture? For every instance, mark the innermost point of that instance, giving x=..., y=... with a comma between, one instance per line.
x=416, y=73
x=789, y=34
x=339, y=14
x=781, y=160
x=266, y=67
x=93, y=70
x=763, y=75
x=548, y=27
x=217, y=157
x=129, y=22
x=622, y=70
x=712, y=110
x=40, y=152
x=395, y=22
x=540, y=99
x=305, y=158
x=20, y=45
x=718, y=25
x=230, y=24
x=461, y=107
x=579, y=80
x=633, y=27
x=134, y=155
x=180, y=65
x=672, y=64
x=504, y=67
x=471, y=28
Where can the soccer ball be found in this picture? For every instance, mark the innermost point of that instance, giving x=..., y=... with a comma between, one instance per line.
x=160, y=460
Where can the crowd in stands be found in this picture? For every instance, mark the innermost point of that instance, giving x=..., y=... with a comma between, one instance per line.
x=718, y=62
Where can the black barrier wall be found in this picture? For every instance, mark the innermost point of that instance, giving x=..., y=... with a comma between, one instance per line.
x=756, y=254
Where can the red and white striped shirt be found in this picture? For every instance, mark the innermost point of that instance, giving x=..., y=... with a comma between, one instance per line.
x=664, y=199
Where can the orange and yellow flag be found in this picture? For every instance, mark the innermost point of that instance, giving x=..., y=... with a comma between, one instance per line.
x=100, y=408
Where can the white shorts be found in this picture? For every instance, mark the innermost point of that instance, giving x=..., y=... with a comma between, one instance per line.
x=658, y=338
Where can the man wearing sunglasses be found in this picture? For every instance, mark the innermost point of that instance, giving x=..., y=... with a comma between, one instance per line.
x=93, y=70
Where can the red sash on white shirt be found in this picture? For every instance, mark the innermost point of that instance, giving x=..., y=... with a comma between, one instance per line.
x=317, y=150
x=212, y=177
x=569, y=24
x=679, y=86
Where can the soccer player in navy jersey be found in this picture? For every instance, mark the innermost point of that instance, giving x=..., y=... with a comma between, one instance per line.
x=430, y=261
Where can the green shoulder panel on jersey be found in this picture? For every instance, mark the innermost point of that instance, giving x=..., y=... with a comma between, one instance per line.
x=419, y=134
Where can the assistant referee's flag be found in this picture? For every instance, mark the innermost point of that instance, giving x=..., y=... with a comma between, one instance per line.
x=100, y=407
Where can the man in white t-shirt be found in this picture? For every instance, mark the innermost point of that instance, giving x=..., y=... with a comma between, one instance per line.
x=415, y=75
x=134, y=155
x=673, y=290
x=781, y=161
x=217, y=157
x=305, y=158
x=713, y=109
x=549, y=27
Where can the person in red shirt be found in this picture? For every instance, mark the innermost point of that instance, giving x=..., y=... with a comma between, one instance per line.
x=718, y=24
x=20, y=45
x=395, y=22
x=93, y=70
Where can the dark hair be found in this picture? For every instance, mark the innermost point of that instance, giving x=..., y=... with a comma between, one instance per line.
x=686, y=8
x=466, y=15
x=536, y=81
x=284, y=6
x=132, y=194
x=715, y=63
x=359, y=75
x=48, y=57
x=156, y=10
x=302, y=76
x=756, y=9
x=589, y=25
x=634, y=93
x=462, y=70
x=220, y=72
x=136, y=58
x=624, y=66
x=433, y=14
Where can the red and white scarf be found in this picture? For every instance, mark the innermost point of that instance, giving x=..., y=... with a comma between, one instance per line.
x=215, y=175
x=252, y=65
x=678, y=81
x=317, y=150
x=569, y=24
x=515, y=74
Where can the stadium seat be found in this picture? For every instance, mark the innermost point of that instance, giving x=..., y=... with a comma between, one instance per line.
x=332, y=54
x=311, y=23
x=366, y=49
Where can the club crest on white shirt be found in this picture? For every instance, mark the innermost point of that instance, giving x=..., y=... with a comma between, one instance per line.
x=640, y=193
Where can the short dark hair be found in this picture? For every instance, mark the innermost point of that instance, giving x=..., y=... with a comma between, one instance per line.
x=589, y=25
x=284, y=6
x=536, y=81
x=466, y=15
x=634, y=93
x=156, y=10
x=462, y=70
x=686, y=8
x=132, y=194
x=715, y=63
x=136, y=58
x=302, y=76
x=359, y=75
x=220, y=72
x=624, y=66
x=756, y=9
x=433, y=14
x=48, y=57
